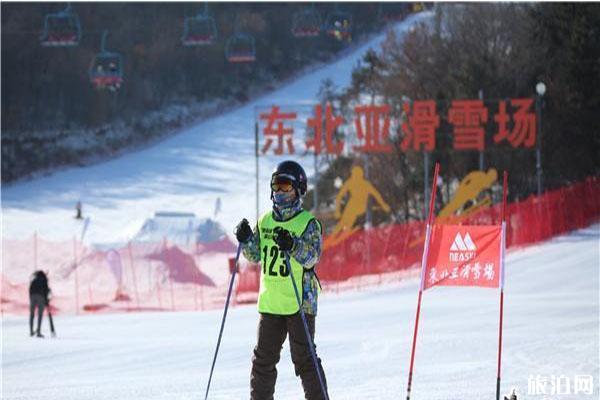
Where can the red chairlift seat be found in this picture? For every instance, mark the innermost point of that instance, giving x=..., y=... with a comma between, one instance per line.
x=306, y=23
x=103, y=81
x=306, y=31
x=60, y=39
x=61, y=29
x=200, y=30
x=198, y=40
x=241, y=58
x=240, y=48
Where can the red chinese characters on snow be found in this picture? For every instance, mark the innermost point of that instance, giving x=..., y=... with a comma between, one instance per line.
x=515, y=124
x=463, y=255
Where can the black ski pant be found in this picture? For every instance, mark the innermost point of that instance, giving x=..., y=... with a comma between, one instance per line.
x=272, y=331
x=36, y=301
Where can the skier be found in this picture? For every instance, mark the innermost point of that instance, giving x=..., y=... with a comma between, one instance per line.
x=78, y=214
x=285, y=228
x=38, y=298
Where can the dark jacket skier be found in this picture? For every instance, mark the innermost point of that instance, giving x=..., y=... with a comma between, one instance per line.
x=285, y=228
x=38, y=298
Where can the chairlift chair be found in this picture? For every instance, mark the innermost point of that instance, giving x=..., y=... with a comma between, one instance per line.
x=306, y=23
x=61, y=29
x=339, y=24
x=200, y=30
x=240, y=48
x=106, y=69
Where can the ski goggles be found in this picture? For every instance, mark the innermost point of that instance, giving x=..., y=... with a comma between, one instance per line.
x=281, y=184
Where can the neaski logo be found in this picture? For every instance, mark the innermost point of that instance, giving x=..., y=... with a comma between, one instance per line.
x=463, y=248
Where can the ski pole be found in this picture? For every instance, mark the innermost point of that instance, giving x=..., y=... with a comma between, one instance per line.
x=223, y=321
x=51, y=321
x=308, y=337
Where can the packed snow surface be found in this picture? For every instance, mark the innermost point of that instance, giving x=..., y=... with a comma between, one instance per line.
x=364, y=339
x=551, y=299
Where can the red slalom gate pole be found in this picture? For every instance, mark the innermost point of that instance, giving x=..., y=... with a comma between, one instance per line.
x=423, y=265
x=502, y=247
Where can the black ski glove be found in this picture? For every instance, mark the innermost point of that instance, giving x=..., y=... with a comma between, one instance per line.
x=243, y=232
x=284, y=239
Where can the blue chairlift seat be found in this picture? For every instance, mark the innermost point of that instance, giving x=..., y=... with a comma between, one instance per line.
x=339, y=25
x=106, y=70
x=240, y=48
x=200, y=30
x=61, y=29
x=306, y=23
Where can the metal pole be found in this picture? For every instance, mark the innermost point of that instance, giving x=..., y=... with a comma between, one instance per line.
x=212, y=368
x=35, y=251
x=368, y=216
x=481, y=152
x=367, y=177
x=309, y=339
x=502, y=247
x=430, y=218
x=538, y=151
x=256, y=165
x=315, y=190
x=76, y=277
x=425, y=182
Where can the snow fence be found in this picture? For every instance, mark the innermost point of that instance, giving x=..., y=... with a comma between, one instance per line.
x=165, y=276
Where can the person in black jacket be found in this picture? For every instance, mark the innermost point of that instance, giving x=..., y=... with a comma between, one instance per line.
x=38, y=298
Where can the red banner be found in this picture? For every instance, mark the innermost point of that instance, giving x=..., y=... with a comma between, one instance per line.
x=464, y=255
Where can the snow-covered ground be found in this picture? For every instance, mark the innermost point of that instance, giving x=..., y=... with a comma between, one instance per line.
x=551, y=328
x=551, y=303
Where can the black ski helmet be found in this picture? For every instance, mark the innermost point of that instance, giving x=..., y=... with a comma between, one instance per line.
x=293, y=171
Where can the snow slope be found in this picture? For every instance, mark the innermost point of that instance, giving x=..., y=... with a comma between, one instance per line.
x=186, y=172
x=551, y=304
x=550, y=328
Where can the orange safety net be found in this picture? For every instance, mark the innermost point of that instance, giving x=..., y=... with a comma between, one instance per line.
x=170, y=277
x=392, y=250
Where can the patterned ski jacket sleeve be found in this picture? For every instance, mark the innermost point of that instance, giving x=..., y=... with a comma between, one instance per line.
x=307, y=251
x=251, y=248
x=307, y=248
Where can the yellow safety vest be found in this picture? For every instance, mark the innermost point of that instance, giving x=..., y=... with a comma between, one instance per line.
x=276, y=294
